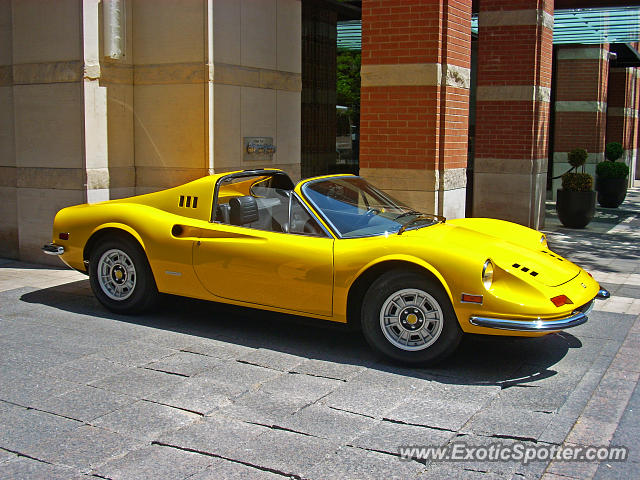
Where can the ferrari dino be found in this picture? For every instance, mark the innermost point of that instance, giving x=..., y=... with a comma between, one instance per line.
x=331, y=247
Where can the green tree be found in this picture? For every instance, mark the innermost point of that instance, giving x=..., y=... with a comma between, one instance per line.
x=348, y=79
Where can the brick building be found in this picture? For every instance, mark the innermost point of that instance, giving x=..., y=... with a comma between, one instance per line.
x=422, y=100
x=103, y=99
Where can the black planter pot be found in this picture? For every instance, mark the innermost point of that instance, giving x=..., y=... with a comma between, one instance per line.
x=575, y=209
x=611, y=191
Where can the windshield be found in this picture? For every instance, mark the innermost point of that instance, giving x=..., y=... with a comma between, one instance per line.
x=354, y=208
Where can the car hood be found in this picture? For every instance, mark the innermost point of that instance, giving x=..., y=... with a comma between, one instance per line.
x=517, y=252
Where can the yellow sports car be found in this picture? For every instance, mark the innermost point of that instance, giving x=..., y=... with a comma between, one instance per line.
x=331, y=247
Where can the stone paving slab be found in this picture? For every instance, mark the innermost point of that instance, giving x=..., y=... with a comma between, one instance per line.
x=138, y=382
x=29, y=469
x=222, y=468
x=82, y=448
x=83, y=403
x=215, y=435
x=86, y=369
x=145, y=420
x=26, y=389
x=284, y=452
x=263, y=408
x=354, y=463
x=384, y=436
x=328, y=423
x=184, y=363
x=22, y=427
x=154, y=462
x=198, y=394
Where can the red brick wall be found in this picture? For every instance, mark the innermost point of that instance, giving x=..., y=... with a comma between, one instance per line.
x=513, y=56
x=512, y=129
x=580, y=130
x=580, y=80
x=398, y=31
x=421, y=127
x=492, y=5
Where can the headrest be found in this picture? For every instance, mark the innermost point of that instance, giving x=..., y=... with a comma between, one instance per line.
x=243, y=210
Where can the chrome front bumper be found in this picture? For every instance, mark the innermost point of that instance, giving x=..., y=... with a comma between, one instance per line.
x=53, y=249
x=577, y=317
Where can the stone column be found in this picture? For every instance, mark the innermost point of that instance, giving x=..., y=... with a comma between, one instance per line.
x=8, y=190
x=415, y=101
x=512, y=110
x=47, y=83
x=254, y=82
x=580, y=105
x=106, y=99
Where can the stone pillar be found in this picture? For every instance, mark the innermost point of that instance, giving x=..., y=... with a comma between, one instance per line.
x=254, y=81
x=318, y=88
x=415, y=101
x=512, y=110
x=8, y=191
x=106, y=99
x=47, y=82
x=580, y=106
x=622, y=113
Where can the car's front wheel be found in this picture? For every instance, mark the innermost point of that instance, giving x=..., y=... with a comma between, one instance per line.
x=408, y=317
x=120, y=276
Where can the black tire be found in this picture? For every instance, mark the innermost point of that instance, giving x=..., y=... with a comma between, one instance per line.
x=443, y=335
x=139, y=291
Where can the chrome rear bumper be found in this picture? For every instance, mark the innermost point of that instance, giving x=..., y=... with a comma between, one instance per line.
x=577, y=317
x=53, y=249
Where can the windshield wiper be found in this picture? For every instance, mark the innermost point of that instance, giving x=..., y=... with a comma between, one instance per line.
x=410, y=212
x=422, y=216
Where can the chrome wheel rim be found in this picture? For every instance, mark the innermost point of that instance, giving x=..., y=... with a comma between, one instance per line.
x=116, y=274
x=411, y=319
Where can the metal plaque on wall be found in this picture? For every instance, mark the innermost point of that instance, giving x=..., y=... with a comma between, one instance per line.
x=258, y=149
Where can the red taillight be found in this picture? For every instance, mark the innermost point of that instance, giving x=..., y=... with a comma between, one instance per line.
x=589, y=274
x=561, y=300
x=64, y=236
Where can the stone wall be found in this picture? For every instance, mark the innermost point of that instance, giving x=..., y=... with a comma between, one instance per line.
x=188, y=81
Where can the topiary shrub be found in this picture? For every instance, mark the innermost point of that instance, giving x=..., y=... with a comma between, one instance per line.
x=613, y=151
x=577, y=157
x=577, y=182
x=612, y=169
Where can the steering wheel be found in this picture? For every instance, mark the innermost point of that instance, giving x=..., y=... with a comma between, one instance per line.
x=372, y=211
x=363, y=220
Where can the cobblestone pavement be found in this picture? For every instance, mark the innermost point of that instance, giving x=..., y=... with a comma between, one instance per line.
x=203, y=391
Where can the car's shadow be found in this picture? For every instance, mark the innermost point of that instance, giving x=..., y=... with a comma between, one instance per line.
x=486, y=360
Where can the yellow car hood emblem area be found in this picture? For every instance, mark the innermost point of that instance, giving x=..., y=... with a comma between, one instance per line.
x=529, y=264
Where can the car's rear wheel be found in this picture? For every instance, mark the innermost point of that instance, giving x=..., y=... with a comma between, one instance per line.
x=120, y=276
x=408, y=317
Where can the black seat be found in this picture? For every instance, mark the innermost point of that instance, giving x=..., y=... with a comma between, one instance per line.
x=223, y=213
x=243, y=210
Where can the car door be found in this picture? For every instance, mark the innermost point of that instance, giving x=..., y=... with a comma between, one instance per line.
x=293, y=271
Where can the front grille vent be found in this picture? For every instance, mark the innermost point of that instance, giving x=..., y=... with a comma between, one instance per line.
x=533, y=273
